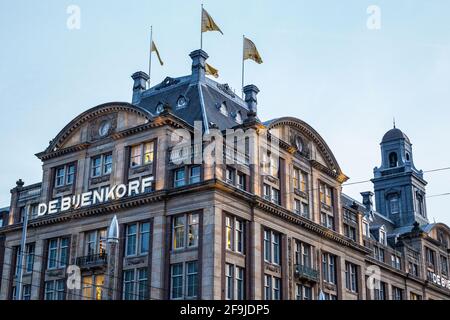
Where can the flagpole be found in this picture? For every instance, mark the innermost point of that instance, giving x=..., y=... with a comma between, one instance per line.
x=150, y=58
x=243, y=64
x=201, y=31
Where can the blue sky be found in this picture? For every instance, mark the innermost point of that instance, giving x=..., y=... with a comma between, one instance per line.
x=321, y=64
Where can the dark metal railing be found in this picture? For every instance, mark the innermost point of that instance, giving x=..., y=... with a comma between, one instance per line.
x=98, y=259
x=306, y=272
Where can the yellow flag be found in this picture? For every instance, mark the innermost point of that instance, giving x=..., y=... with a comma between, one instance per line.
x=154, y=49
x=211, y=71
x=208, y=23
x=250, y=51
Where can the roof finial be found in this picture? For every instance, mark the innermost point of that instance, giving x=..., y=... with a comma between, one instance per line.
x=394, y=122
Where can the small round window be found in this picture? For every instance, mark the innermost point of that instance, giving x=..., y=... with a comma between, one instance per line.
x=159, y=108
x=182, y=102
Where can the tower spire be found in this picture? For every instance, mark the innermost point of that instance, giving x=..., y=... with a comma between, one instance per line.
x=394, y=122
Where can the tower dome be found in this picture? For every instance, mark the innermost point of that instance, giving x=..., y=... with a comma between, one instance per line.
x=394, y=134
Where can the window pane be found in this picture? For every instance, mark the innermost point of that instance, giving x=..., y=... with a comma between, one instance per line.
x=144, y=238
x=148, y=152
x=131, y=239
x=135, y=159
x=107, y=164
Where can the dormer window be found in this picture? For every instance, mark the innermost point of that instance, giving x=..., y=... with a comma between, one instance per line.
x=366, y=228
x=223, y=109
x=181, y=102
x=159, y=108
x=238, y=117
x=382, y=236
x=393, y=160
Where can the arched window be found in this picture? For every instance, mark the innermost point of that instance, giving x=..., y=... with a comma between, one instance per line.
x=393, y=160
x=407, y=156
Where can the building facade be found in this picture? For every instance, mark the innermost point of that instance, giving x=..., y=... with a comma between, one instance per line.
x=124, y=212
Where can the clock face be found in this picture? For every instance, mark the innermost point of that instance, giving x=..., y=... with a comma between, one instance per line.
x=104, y=128
x=299, y=143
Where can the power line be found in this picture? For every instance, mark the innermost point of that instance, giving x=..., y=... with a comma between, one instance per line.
x=149, y=286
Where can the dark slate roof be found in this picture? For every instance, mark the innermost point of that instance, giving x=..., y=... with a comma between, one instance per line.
x=203, y=101
x=6, y=209
x=394, y=134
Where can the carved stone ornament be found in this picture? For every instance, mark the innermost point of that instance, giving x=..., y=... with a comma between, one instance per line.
x=103, y=126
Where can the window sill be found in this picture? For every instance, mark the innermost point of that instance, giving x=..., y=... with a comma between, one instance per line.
x=100, y=179
x=148, y=167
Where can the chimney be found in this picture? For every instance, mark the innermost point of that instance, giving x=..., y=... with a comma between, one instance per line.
x=140, y=83
x=367, y=200
x=198, y=65
x=250, y=93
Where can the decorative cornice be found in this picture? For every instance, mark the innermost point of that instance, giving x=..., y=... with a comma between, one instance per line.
x=60, y=152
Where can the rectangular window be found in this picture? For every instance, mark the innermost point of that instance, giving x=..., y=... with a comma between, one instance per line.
x=329, y=268
x=396, y=262
x=58, y=253
x=92, y=287
x=303, y=254
x=229, y=175
x=380, y=291
x=300, y=180
x=234, y=234
x=54, y=290
x=272, y=288
x=350, y=232
x=303, y=292
x=101, y=165
x=65, y=175
x=241, y=181
x=325, y=194
x=266, y=192
x=194, y=174
x=179, y=178
x=29, y=260
x=272, y=249
x=137, y=238
x=142, y=154
x=135, y=284
x=184, y=280
x=275, y=196
x=351, y=277
x=327, y=220
x=96, y=242
x=430, y=256
x=444, y=265
x=397, y=293
x=26, y=292
x=185, y=231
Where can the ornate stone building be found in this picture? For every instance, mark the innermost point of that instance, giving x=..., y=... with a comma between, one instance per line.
x=278, y=227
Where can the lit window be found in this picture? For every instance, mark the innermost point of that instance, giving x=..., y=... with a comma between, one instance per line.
x=234, y=233
x=92, y=287
x=96, y=242
x=142, y=154
x=185, y=231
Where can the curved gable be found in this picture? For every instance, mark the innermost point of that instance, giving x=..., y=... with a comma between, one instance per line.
x=121, y=115
x=325, y=155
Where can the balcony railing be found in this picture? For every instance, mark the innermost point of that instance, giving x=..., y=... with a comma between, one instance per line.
x=305, y=272
x=93, y=260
